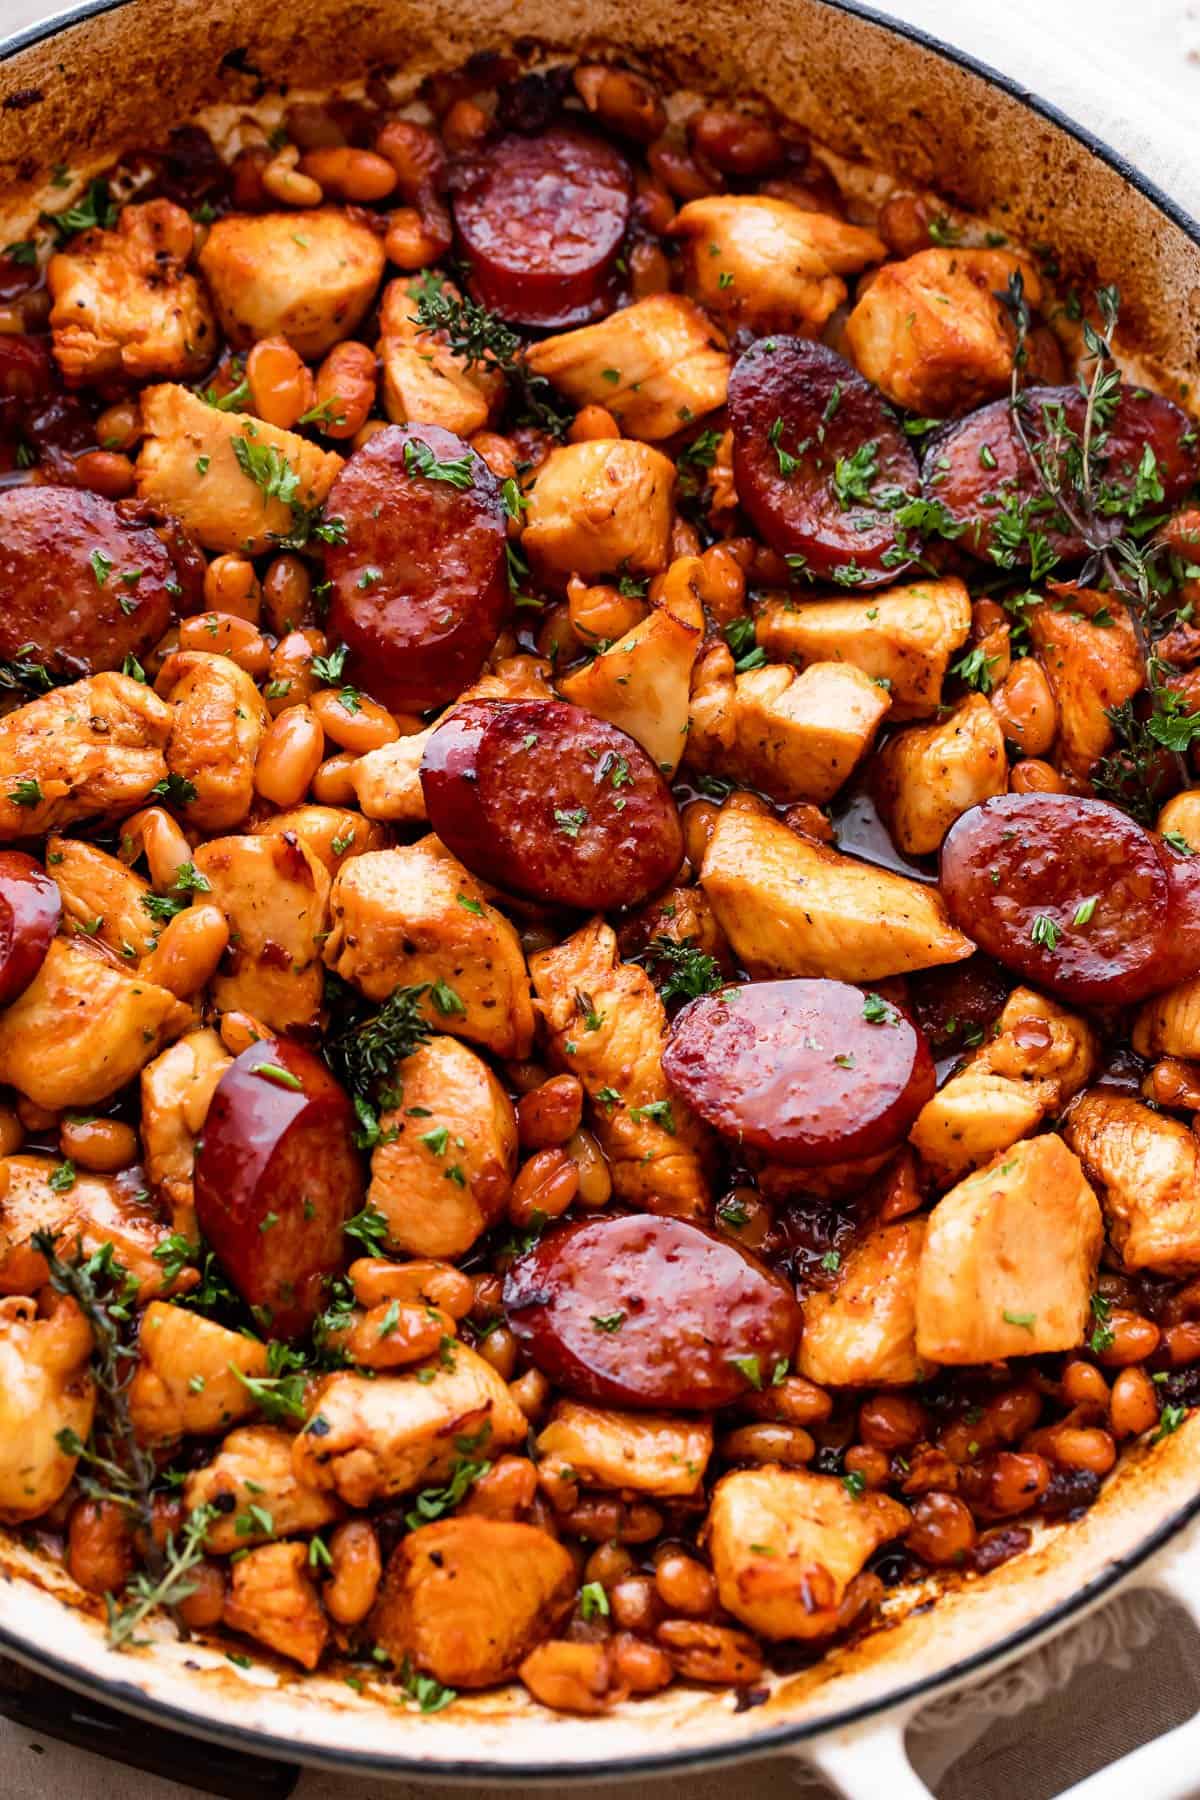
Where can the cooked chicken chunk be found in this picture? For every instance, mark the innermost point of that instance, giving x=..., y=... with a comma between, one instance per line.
x=797, y=737
x=367, y=1439
x=1091, y=667
x=655, y=1145
x=1010, y=1259
x=225, y=475
x=88, y=750
x=445, y=1175
x=253, y=1485
x=275, y=894
x=467, y=1598
x=655, y=365
x=177, y=1091
x=397, y=922
x=641, y=683
x=646, y=1453
x=788, y=1549
x=790, y=906
x=931, y=332
x=45, y=1390
x=769, y=264
x=308, y=277
x=905, y=637
x=274, y=1599
x=125, y=306
x=862, y=1332
x=185, y=1383
x=598, y=507
x=105, y=899
x=927, y=776
x=1147, y=1170
x=423, y=379
x=78, y=1209
x=219, y=722
x=84, y=1027
x=1169, y=1024
x=332, y=833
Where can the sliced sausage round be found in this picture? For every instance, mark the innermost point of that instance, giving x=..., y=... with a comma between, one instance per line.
x=30, y=908
x=819, y=461
x=979, y=469
x=277, y=1176
x=419, y=587
x=806, y=1072
x=84, y=586
x=641, y=1311
x=542, y=220
x=1070, y=894
x=547, y=800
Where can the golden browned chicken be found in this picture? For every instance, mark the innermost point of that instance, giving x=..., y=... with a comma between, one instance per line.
x=1010, y=1258
x=397, y=921
x=125, y=306
x=1169, y=1024
x=81, y=1210
x=929, y=775
x=1086, y=644
x=788, y=1548
x=467, y=1598
x=767, y=263
x=219, y=721
x=274, y=1599
x=599, y=507
x=186, y=1382
x=223, y=474
x=606, y=1025
x=790, y=906
x=644, y=1452
x=1147, y=1170
x=655, y=365
x=275, y=894
x=862, y=1331
x=252, y=1485
x=92, y=749
x=177, y=1091
x=45, y=1391
x=308, y=277
x=104, y=898
x=423, y=379
x=332, y=833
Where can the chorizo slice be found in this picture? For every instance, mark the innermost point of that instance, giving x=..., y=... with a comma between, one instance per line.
x=30, y=908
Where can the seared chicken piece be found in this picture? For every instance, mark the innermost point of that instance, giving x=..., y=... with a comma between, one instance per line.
x=644, y=1452
x=928, y=776
x=223, y=474
x=598, y=507
x=467, y=1598
x=45, y=1390
x=308, y=277
x=1039, y=1058
x=219, y=722
x=905, y=637
x=397, y=922
x=94, y=748
x=185, y=1383
x=84, y=1027
x=1147, y=1170
x=641, y=683
x=274, y=1599
x=606, y=1024
x=444, y=1176
x=769, y=264
x=79, y=1209
x=332, y=833
x=1010, y=1259
x=797, y=737
x=862, y=1332
x=681, y=915
x=423, y=379
x=1091, y=668
x=931, y=333
x=102, y=896
x=1169, y=1024
x=655, y=365
x=125, y=306
x=253, y=1486
x=788, y=1549
x=367, y=1439
x=275, y=894
x=790, y=906
x=177, y=1091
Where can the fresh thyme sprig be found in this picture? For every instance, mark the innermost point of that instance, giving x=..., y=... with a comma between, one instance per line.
x=484, y=340
x=168, y=1587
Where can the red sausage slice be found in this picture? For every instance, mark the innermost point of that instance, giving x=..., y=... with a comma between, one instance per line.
x=1070, y=894
x=542, y=220
x=419, y=589
x=816, y=453
x=276, y=1179
x=84, y=585
x=807, y=1072
x=641, y=1311
x=978, y=468
x=547, y=800
x=30, y=907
